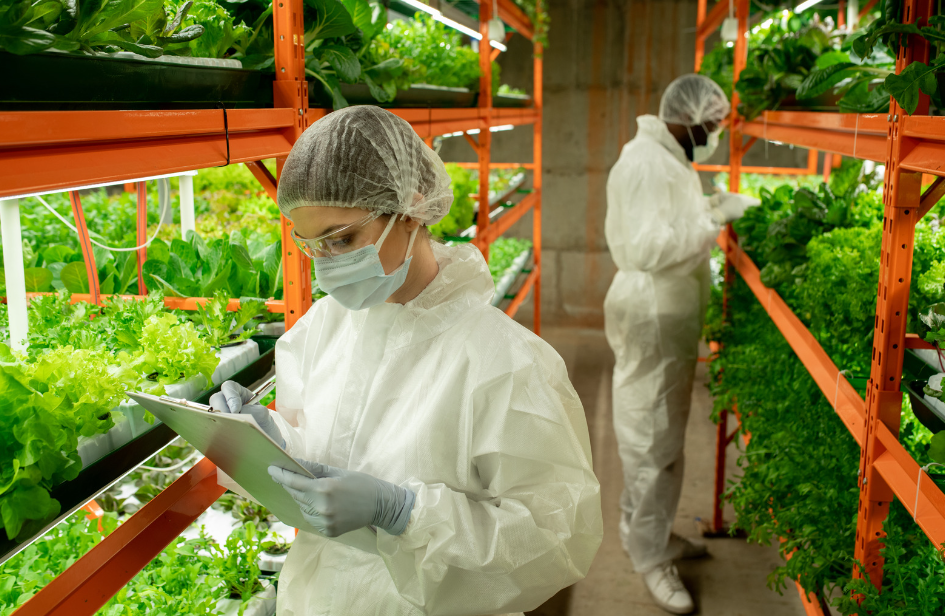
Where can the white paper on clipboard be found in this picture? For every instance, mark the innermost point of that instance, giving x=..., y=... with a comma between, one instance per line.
x=244, y=452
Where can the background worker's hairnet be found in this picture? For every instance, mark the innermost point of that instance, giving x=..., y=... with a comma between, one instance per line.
x=692, y=100
x=365, y=157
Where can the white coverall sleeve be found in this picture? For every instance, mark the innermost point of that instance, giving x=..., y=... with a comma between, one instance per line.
x=289, y=383
x=540, y=527
x=294, y=445
x=656, y=218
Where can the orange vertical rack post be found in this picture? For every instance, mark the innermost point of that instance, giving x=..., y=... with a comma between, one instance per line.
x=487, y=230
x=736, y=151
x=484, y=149
x=902, y=192
x=85, y=242
x=141, y=234
x=536, y=184
x=291, y=90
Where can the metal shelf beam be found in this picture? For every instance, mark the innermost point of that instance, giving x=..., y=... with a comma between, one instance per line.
x=97, y=151
x=58, y=150
x=856, y=135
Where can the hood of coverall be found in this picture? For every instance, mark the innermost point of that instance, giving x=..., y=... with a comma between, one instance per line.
x=652, y=127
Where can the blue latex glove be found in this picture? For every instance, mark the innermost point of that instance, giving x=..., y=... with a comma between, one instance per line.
x=231, y=399
x=338, y=501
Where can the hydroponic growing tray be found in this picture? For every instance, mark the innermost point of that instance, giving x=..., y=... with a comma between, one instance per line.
x=102, y=474
x=922, y=410
x=417, y=96
x=60, y=82
x=511, y=100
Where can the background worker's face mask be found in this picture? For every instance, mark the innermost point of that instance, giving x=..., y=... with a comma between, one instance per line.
x=356, y=279
x=702, y=153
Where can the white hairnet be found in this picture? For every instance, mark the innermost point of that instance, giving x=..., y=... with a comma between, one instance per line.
x=692, y=100
x=365, y=157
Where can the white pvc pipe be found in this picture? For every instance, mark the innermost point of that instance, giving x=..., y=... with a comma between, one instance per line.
x=14, y=273
x=164, y=202
x=187, y=218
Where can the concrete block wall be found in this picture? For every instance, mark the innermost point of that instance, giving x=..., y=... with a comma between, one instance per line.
x=608, y=61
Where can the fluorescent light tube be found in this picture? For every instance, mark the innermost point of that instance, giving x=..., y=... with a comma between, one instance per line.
x=437, y=15
x=803, y=6
x=467, y=31
x=426, y=8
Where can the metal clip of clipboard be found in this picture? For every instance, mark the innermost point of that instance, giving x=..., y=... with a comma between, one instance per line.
x=188, y=403
x=258, y=394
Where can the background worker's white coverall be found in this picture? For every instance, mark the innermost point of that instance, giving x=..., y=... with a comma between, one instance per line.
x=660, y=231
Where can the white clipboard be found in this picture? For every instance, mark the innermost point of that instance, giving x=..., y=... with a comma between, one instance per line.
x=236, y=444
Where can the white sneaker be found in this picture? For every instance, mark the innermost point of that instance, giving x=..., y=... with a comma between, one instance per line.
x=668, y=590
x=689, y=548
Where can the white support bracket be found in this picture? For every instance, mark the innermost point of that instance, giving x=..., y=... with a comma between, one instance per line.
x=188, y=221
x=14, y=272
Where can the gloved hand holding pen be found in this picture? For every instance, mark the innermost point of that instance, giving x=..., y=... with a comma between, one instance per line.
x=338, y=501
x=233, y=398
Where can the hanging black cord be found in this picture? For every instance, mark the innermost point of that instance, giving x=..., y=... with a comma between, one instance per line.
x=226, y=131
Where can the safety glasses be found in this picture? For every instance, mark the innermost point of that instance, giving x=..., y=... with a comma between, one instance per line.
x=340, y=241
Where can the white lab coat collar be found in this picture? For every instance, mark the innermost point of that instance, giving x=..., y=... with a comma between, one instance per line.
x=651, y=127
x=463, y=284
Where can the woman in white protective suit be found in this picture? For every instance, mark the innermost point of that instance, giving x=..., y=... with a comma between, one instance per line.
x=660, y=229
x=421, y=410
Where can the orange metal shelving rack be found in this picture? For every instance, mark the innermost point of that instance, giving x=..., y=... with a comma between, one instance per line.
x=49, y=150
x=43, y=151
x=909, y=146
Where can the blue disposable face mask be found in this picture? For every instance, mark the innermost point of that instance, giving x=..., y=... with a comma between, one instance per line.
x=357, y=280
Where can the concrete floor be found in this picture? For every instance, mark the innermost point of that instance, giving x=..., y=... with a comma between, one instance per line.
x=731, y=582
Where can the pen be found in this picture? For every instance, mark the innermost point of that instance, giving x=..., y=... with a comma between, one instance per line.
x=262, y=390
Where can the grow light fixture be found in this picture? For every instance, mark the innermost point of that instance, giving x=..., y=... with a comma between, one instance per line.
x=803, y=6
x=475, y=131
x=762, y=26
x=446, y=21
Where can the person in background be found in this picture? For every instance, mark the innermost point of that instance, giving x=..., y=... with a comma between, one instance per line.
x=660, y=229
x=421, y=410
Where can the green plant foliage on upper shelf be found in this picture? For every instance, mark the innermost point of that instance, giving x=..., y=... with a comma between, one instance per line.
x=338, y=35
x=802, y=61
x=537, y=12
x=430, y=53
x=150, y=28
x=808, y=64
